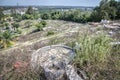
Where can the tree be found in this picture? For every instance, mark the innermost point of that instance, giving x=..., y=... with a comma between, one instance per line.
x=106, y=10
x=30, y=11
x=118, y=10
x=45, y=16
x=55, y=15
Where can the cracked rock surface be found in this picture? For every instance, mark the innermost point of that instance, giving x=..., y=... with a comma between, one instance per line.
x=55, y=61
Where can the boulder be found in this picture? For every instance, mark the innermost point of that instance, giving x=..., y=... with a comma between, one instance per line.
x=55, y=60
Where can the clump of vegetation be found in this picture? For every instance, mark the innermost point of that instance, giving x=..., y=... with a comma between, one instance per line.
x=95, y=49
x=75, y=16
x=45, y=16
x=50, y=33
x=19, y=31
x=97, y=56
x=41, y=25
x=27, y=16
x=6, y=39
x=15, y=25
x=6, y=25
x=30, y=10
x=44, y=23
x=71, y=15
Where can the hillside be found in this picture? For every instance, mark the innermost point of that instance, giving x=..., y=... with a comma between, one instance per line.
x=64, y=33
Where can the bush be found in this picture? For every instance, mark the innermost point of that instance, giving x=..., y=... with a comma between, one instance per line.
x=17, y=17
x=15, y=25
x=18, y=31
x=27, y=16
x=41, y=25
x=45, y=16
x=50, y=33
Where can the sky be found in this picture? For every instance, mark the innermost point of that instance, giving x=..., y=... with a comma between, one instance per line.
x=51, y=2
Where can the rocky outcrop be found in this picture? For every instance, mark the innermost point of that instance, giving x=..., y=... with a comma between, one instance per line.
x=55, y=60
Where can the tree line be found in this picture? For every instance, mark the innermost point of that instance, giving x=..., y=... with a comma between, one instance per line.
x=107, y=9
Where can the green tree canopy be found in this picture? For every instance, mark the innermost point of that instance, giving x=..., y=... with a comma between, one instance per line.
x=30, y=10
x=108, y=9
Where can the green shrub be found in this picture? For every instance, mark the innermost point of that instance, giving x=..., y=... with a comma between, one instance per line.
x=94, y=49
x=41, y=25
x=18, y=31
x=27, y=16
x=15, y=25
x=50, y=33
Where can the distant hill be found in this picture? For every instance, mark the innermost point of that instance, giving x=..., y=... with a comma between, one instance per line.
x=51, y=7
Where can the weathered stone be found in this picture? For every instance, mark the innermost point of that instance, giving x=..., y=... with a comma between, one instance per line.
x=70, y=71
x=55, y=60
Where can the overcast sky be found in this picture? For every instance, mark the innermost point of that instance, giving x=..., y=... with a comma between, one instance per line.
x=51, y=2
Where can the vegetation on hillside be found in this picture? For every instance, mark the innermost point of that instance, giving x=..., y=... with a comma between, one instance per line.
x=94, y=53
x=6, y=39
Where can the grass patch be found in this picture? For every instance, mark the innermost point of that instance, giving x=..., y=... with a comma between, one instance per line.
x=97, y=57
x=94, y=49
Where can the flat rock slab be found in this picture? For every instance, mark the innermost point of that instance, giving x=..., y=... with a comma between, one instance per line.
x=51, y=54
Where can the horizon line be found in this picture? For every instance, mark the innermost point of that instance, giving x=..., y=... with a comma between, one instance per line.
x=47, y=5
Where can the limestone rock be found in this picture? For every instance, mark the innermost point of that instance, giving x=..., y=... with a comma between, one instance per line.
x=55, y=60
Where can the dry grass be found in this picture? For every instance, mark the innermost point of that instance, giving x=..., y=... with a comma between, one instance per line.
x=95, y=66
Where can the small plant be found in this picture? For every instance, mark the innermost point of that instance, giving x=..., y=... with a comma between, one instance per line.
x=50, y=33
x=41, y=25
